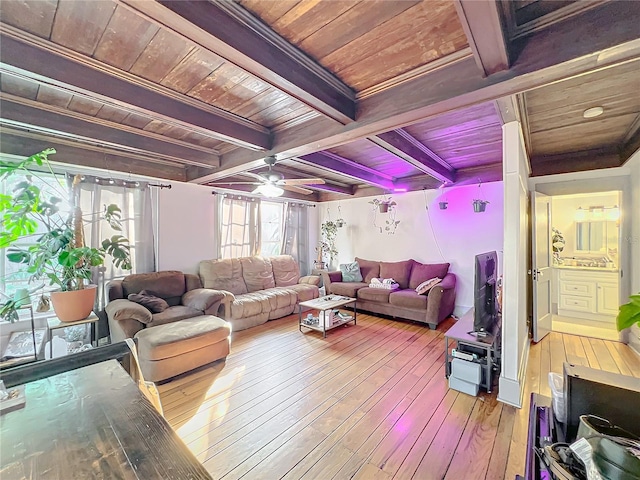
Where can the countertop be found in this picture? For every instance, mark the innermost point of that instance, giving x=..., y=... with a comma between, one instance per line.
x=591, y=269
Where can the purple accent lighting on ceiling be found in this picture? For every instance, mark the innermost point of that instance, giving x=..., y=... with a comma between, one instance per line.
x=400, y=189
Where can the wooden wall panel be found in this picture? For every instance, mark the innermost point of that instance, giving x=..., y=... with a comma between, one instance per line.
x=33, y=16
x=464, y=138
x=52, y=96
x=555, y=112
x=161, y=55
x=349, y=26
x=124, y=39
x=365, y=43
x=19, y=86
x=84, y=105
x=373, y=156
x=80, y=25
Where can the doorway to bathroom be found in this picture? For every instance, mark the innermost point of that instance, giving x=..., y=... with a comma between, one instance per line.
x=585, y=236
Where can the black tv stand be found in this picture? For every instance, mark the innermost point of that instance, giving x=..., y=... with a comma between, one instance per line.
x=487, y=347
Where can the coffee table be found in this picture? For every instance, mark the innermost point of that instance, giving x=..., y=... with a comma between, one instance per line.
x=323, y=304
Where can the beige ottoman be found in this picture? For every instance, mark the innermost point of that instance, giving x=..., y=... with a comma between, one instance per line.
x=174, y=348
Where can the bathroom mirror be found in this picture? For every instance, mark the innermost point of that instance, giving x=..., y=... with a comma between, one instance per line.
x=594, y=236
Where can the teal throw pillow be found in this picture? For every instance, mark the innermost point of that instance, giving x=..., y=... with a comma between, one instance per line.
x=351, y=272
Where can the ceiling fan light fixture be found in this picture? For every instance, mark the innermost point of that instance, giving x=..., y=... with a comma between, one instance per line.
x=269, y=190
x=593, y=112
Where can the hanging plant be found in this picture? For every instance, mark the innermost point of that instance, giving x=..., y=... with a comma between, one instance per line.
x=479, y=205
x=383, y=205
x=329, y=231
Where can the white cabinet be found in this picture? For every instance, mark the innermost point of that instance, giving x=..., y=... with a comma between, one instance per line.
x=607, y=298
x=589, y=294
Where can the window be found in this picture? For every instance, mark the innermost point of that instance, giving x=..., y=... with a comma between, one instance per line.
x=12, y=275
x=250, y=227
x=271, y=225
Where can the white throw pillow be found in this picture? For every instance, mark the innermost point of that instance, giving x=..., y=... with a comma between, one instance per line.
x=427, y=285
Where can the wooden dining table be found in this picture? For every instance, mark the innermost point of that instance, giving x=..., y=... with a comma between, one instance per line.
x=92, y=422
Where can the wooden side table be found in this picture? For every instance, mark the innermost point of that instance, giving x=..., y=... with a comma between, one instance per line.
x=54, y=323
x=319, y=271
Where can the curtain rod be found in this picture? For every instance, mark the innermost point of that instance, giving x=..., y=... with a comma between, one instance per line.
x=160, y=185
x=276, y=199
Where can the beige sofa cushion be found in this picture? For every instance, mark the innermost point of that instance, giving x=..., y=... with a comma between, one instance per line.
x=167, y=341
x=286, y=271
x=223, y=275
x=257, y=273
x=380, y=295
x=399, y=271
x=305, y=291
x=369, y=269
x=408, y=299
x=280, y=297
x=173, y=314
x=250, y=304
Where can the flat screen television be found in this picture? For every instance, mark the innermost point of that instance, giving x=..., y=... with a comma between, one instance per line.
x=485, y=303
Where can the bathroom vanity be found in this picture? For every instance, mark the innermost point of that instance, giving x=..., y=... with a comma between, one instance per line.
x=588, y=292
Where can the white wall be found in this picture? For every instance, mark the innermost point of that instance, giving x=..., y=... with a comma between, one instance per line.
x=634, y=240
x=428, y=235
x=515, y=334
x=185, y=226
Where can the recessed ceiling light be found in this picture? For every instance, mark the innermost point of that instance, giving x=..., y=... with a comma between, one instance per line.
x=593, y=112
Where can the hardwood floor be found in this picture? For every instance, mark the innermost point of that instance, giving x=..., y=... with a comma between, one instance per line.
x=367, y=402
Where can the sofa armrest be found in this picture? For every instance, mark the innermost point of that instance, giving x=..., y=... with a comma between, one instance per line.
x=441, y=300
x=448, y=282
x=126, y=318
x=329, y=277
x=310, y=280
x=205, y=299
x=114, y=290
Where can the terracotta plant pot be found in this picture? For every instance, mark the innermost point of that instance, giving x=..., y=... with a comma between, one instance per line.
x=384, y=207
x=75, y=305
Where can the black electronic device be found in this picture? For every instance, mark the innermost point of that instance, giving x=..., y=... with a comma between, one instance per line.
x=612, y=396
x=485, y=318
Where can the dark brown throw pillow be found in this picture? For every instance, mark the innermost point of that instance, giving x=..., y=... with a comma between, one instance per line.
x=149, y=301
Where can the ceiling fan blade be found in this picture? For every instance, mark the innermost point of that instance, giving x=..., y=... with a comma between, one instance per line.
x=291, y=188
x=301, y=181
x=236, y=183
x=254, y=175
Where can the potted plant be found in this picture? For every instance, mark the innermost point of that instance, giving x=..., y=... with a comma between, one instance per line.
x=479, y=205
x=59, y=255
x=329, y=231
x=629, y=313
x=383, y=204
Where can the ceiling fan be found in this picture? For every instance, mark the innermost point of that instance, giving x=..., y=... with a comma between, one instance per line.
x=273, y=184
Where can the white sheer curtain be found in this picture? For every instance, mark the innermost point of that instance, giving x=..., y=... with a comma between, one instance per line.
x=295, y=239
x=239, y=227
x=134, y=199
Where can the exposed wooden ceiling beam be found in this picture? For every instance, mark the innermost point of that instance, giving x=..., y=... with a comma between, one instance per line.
x=48, y=118
x=228, y=30
x=575, y=161
x=631, y=142
x=460, y=85
x=485, y=33
x=348, y=168
x=404, y=146
x=69, y=69
x=25, y=144
x=513, y=108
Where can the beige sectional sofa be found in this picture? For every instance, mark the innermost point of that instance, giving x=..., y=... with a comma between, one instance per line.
x=404, y=302
x=258, y=289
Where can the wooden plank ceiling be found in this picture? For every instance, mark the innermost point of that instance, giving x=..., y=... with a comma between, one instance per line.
x=369, y=95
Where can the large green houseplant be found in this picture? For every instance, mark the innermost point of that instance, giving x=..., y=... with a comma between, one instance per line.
x=58, y=255
x=629, y=313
